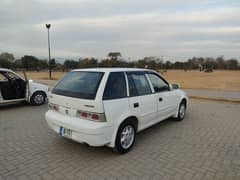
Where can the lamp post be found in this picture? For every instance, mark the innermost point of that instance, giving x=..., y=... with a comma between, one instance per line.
x=49, y=56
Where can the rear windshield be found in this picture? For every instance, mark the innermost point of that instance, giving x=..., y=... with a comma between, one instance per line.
x=79, y=84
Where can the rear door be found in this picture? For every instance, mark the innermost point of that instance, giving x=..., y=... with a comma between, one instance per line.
x=115, y=100
x=141, y=99
x=165, y=98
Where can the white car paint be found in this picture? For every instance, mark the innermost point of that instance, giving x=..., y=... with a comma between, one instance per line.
x=31, y=88
x=149, y=112
x=34, y=87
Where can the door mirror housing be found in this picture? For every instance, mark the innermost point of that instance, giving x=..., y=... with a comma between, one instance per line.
x=175, y=86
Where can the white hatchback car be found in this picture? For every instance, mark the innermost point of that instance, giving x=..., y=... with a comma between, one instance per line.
x=14, y=88
x=108, y=106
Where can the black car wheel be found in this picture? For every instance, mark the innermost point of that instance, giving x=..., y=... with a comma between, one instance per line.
x=38, y=98
x=181, y=111
x=125, y=137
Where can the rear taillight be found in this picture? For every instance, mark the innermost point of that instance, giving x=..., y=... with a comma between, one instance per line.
x=53, y=107
x=98, y=117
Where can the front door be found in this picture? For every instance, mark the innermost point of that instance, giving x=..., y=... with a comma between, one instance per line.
x=12, y=86
x=165, y=98
x=141, y=99
x=3, y=81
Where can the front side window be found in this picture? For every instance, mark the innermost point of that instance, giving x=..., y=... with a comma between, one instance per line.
x=79, y=84
x=115, y=87
x=138, y=84
x=159, y=85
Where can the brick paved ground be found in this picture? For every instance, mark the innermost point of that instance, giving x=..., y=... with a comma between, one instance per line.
x=206, y=145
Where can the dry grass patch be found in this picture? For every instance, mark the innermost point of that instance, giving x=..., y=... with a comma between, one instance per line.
x=42, y=75
x=217, y=80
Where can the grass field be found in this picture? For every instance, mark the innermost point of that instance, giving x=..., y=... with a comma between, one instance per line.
x=218, y=80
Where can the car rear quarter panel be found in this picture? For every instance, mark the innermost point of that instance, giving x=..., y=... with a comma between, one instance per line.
x=116, y=112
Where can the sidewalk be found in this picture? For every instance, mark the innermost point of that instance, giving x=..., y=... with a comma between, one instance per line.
x=214, y=94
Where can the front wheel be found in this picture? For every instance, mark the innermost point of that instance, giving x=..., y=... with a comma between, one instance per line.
x=181, y=111
x=38, y=98
x=125, y=138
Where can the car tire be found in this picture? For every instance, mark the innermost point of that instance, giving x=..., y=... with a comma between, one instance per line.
x=38, y=98
x=125, y=138
x=181, y=111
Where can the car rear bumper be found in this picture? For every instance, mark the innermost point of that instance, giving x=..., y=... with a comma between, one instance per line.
x=83, y=131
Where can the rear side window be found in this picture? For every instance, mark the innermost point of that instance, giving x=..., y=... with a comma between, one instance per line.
x=79, y=84
x=138, y=84
x=115, y=87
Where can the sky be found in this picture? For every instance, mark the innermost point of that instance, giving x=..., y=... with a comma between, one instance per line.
x=173, y=29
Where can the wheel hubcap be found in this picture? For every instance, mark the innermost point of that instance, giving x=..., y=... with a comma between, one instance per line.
x=182, y=111
x=38, y=99
x=127, y=136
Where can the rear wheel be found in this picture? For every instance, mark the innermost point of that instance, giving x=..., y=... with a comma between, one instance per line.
x=181, y=111
x=38, y=98
x=125, y=137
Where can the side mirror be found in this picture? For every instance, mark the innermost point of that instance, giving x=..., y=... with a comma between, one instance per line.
x=175, y=86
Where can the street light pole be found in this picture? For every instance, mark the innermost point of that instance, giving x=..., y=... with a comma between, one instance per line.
x=49, y=55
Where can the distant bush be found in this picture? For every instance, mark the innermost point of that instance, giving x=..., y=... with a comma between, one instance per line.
x=29, y=62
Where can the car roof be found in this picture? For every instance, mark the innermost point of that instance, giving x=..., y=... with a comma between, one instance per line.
x=112, y=69
x=5, y=70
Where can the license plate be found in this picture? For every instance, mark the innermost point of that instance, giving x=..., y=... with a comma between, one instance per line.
x=65, y=132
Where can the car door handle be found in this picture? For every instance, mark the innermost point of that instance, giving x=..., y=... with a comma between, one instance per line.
x=160, y=99
x=135, y=105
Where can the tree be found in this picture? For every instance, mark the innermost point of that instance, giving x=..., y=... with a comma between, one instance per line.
x=7, y=56
x=210, y=63
x=220, y=63
x=141, y=63
x=168, y=65
x=114, y=63
x=30, y=62
x=232, y=64
x=33, y=63
x=114, y=55
x=193, y=63
x=59, y=67
x=42, y=64
x=4, y=63
x=70, y=64
x=88, y=63
x=17, y=64
x=53, y=63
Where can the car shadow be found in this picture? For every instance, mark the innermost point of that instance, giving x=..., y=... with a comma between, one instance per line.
x=163, y=124
x=157, y=128
x=81, y=149
x=17, y=105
